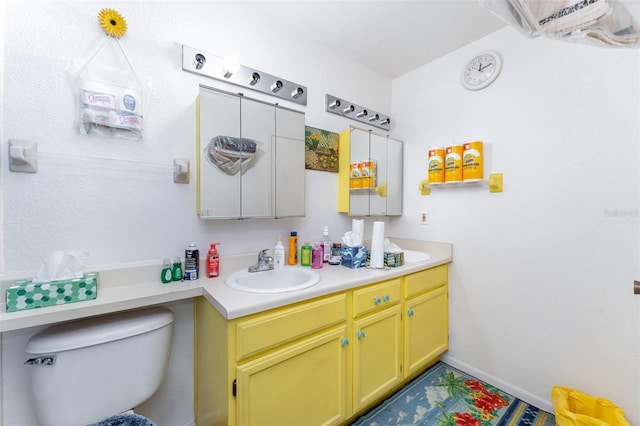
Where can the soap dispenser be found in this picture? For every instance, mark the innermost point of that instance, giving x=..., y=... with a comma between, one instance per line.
x=317, y=255
x=213, y=261
x=177, y=269
x=166, y=276
x=305, y=254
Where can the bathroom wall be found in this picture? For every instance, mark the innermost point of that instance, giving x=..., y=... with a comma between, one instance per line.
x=123, y=213
x=541, y=283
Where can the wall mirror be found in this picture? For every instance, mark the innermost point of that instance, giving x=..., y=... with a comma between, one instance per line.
x=250, y=158
x=370, y=176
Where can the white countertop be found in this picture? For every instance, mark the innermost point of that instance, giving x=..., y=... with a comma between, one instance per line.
x=138, y=285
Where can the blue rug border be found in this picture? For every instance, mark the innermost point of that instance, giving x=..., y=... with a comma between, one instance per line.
x=525, y=420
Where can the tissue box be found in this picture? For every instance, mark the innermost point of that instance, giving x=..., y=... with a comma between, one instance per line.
x=25, y=294
x=354, y=257
x=393, y=260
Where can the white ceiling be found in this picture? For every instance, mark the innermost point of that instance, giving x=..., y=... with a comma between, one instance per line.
x=392, y=37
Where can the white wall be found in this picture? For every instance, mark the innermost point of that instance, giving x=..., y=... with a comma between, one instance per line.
x=540, y=286
x=123, y=214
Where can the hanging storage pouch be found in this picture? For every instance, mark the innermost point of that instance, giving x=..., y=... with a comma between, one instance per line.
x=110, y=96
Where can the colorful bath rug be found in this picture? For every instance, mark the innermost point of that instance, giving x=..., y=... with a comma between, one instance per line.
x=445, y=396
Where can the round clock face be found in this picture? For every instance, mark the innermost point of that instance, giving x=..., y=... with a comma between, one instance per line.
x=481, y=71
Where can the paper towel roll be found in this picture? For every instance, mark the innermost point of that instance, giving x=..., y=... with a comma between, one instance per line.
x=377, y=245
x=357, y=231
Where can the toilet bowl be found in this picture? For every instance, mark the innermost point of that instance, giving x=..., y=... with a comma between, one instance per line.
x=89, y=371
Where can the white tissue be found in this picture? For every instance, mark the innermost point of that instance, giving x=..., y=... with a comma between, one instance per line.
x=62, y=265
x=391, y=247
x=355, y=237
x=377, y=245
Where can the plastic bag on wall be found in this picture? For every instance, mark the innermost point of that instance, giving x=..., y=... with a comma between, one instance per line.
x=230, y=154
x=109, y=94
x=607, y=23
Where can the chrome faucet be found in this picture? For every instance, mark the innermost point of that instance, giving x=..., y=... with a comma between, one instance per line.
x=265, y=263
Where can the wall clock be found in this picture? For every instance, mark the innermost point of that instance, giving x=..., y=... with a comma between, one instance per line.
x=481, y=70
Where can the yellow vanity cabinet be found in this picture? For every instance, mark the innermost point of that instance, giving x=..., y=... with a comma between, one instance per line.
x=287, y=366
x=426, y=318
x=377, y=341
x=318, y=362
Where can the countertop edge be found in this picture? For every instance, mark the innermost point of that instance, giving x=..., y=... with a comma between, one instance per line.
x=113, y=296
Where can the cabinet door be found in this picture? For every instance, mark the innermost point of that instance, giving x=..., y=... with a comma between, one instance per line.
x=218, y=192
x=301, y=384
x=377, y=355
x=289, y=182
x=258, y=123
x=426, y=332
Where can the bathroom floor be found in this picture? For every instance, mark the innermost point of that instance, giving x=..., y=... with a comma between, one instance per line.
x=444, y=395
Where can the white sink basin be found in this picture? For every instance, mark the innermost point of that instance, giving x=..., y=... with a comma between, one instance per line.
x=273, y=281
x=415, y=256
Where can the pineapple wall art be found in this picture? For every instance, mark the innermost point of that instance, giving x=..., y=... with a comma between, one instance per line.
x=321, y=150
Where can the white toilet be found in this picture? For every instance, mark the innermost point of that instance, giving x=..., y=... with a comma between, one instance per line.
x=85, y=371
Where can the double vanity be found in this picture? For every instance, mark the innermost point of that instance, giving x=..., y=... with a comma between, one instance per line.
x=324, y=354
x=316, y=355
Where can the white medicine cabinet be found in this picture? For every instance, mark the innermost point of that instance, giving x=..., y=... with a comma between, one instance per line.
x=250, y=158
x=370, y=174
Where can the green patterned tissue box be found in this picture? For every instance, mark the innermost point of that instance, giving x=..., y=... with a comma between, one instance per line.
x=25, y=294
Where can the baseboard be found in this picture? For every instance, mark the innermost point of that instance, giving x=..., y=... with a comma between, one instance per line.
x=534, y=400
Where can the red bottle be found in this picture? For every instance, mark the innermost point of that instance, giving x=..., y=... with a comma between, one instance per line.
x=213, y=262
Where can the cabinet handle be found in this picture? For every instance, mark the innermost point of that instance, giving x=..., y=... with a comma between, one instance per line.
x=344, y=342
x=377, y=300
x=360, y=334
x=410, y=313
x=386, y=298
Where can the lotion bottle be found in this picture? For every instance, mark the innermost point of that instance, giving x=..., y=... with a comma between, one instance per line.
x=317, y=255
x=278, y=255
x=305, y=254
x=293, y=248
x=213, y=261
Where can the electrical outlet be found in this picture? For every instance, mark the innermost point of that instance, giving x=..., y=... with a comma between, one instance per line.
x=424, y=218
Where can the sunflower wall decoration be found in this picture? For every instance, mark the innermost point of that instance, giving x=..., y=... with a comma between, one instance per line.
x=112, y=23
x=321, y=150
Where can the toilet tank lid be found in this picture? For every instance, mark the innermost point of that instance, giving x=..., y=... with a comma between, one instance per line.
x=97, y=330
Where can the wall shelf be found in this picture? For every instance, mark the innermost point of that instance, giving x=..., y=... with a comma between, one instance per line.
x=494, y=182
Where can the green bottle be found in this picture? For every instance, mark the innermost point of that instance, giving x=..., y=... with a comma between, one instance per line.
x=177, y=269
x=305, y=254
x=167, y=274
